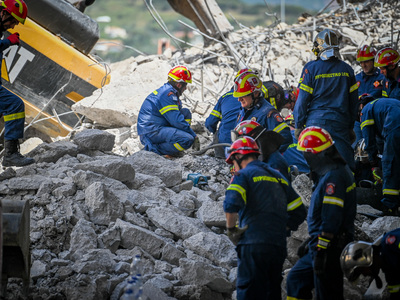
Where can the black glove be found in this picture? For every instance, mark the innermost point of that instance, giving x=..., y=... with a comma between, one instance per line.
x=297, y=132
x=196, y=144
x=235, y=233
x=321, y=256
x=303, y=248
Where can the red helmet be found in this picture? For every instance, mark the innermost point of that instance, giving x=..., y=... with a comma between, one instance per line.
x=314, y=139
x=386, y=57
x=246, y=84
x=243, y=128
x=366, y=53
x=289, y=120
x=16, y=8
x=241, y=71
x=180, y=74
x=244, y=145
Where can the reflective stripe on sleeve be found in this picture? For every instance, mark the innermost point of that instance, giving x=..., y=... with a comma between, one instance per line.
x=333, y=200
x=168, y=108
x=239, y=189
x=294, y=204
x=306, y=88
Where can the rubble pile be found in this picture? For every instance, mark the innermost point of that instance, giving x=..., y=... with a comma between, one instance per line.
x=97, y=199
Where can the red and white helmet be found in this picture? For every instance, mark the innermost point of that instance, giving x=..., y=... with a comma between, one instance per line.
x=244, y=145
x=314, y=139
x=386, y=57
x=241, y=71
x=180, y=74
x=366, y=53
x=16, y=8
x=246, y=84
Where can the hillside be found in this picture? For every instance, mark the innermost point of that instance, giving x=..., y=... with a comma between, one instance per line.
x=142, y=31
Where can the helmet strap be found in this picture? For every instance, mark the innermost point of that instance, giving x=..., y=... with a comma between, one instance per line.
x=238, y=160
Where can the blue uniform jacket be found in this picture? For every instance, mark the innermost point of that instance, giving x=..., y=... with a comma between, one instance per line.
x=160, y=109
x=391, y=88
x=265, y=202
x=390, y=254
x=370, y=84
x=225, y=111
x=328, y=92
x=379, y=117
x=268, y=117
x=333, y=204
x=295, y=157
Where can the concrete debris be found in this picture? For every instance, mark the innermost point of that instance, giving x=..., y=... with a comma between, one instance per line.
x=97, y=199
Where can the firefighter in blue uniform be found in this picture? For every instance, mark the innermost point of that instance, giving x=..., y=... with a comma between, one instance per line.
x=163, y=125
x=248, y=90
x=380, y=118
x=267, y=208
x=12, y=12
x=387, y=59
x=268, y=142
x=369, y=80
x=369, y=258
x=328, y=95
x=330, y=220
x=293, y=156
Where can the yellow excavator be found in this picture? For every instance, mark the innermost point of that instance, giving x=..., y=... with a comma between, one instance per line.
x=50, y=69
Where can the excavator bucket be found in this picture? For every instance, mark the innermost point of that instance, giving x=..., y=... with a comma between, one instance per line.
x=16, y=260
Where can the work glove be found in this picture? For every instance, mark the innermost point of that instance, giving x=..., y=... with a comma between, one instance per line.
x=321, y=255
x=297, y=132
x=196, y=144
x=303, y=248
x=352, y=136
x=14, y=38
x=235, y=233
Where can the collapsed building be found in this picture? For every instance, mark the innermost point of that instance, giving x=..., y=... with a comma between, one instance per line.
x=97, y=199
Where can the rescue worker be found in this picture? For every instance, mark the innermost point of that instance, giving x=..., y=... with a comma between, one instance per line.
x=293, y=156
x=380, y=118
x=267, y=208
x=369, y=80
x=369, y=258
x=328, y=95
x=163, y=125
x=276, y=96
x=225, y=111
x=330, y=219
x=387, y=60
x=12, y=13
x=247, y=89
x=268, y=142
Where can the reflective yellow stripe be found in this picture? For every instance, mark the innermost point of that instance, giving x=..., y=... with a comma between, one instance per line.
x=394, y=288
x=367, y=122
x=384, y=94
x=273, y=102
x=189, y=121
x=268, y=178
x=216, y=114
x=265, y=91
x=333, y=200
x=179, y=147
x=168, y=108
x=292, y=145
x=353, y=88
x=280, y=127
x=16, y=116
x=239, y=189
x=320, y=136
x=155, y=92
x=306, y=88
x=350, y=188
x=391, y=192
x=294, y=204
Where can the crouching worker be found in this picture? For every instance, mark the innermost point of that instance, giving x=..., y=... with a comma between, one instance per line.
x=267, y=209
x=163, y=125
x=368, y=258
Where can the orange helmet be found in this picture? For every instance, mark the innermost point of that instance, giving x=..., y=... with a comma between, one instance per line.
x=386, y=57
x=241, y=71
x=366, y=53
x=314, y=139
x=16, y=8
x=244, y=145
x=180, y=74
x=246, y=84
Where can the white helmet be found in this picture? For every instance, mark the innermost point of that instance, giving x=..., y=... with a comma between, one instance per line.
x=360, y=153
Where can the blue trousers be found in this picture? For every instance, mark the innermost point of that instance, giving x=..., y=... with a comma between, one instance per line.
x=13, y=110
x=259, y=272
x=301, y=279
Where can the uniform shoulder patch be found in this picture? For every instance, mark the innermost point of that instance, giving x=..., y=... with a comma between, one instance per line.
x=330, y=188
x=377, y=84
x=358, y=83
x=387, y=84
x=278, y=118
x=170, y=93
x=390, y=239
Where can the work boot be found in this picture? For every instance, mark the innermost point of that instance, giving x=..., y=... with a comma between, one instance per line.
x=12, y=156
